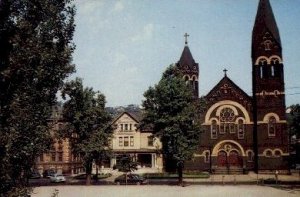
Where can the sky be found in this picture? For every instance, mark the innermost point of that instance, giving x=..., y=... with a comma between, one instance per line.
x=124, y=46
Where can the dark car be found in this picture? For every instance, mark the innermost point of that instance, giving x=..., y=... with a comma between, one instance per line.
x=48, y=173
x=35, y=175
x=131, y=179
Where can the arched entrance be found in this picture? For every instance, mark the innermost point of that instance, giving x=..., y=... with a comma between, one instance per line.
x=234, y=159
x=229, y=157
x=222, y=159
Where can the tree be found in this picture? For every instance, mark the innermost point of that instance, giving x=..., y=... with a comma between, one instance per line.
x=88, y=124
x=35, y=57
x=126, y=164
x=170, y=110
x=294, y=120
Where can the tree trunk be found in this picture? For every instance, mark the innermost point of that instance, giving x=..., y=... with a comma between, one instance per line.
x=96, y=178
x=180, y=178
x=88, y=171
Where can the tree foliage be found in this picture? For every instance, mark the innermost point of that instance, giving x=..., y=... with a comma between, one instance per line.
x=88, y=123
x=294, y=120
x=171, y=111
x=126, y=164
x=35, y=57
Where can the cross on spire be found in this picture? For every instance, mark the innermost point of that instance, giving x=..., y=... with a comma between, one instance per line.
x=186, y=36
x=225, y=72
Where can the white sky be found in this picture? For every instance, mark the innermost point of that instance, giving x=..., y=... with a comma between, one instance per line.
x=124, y=46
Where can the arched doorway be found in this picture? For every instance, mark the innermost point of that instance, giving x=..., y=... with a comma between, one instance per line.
x=229, y=157
x=222, y=159
x=234, y=159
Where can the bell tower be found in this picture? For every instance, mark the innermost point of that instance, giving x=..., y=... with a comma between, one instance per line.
x=189, y=68
x=267, y=84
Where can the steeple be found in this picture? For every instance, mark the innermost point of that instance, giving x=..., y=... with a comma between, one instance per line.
x=186, y=58
x=267, y=79
x=265, y=33
x=189, y=67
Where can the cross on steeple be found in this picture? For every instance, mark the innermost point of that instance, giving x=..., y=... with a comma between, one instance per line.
x=186, y=36
x=225, y=72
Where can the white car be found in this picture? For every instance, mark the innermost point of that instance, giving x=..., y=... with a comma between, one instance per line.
x=57, y=178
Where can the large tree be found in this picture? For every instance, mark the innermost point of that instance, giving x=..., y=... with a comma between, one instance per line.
x=170, y=110
x=294, y=120
x=35, y=57
x=88, y=124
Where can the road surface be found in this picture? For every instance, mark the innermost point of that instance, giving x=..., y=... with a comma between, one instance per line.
x=164, y=191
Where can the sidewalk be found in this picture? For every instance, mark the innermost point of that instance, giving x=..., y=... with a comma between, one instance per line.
x=251, y=178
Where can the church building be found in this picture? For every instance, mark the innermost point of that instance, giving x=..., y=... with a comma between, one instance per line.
x=244, y=132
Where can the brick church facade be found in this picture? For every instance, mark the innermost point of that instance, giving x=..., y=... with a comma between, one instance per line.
x=244, y=132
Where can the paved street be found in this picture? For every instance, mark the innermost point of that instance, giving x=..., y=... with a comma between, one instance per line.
x=163, y=191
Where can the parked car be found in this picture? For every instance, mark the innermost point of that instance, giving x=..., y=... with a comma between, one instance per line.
x=131, y=179
x=57, y=178
x=48, y=173
x=35, y=175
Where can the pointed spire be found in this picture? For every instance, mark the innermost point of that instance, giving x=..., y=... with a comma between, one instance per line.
x=265, y=21
x=186, y=57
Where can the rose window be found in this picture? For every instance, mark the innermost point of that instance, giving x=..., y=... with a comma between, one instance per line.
x=227, y=115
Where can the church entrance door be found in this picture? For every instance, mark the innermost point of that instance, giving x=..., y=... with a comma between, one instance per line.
x=234, y=159
x=222, y=159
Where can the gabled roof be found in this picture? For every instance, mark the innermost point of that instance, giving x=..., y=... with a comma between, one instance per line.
x=186, y=57
x=233, y=91
x=135, y=116
x=265, y=19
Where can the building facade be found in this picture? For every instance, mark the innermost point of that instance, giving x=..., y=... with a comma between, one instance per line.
x=142, y=146
x=60, y=157
x=245, y=132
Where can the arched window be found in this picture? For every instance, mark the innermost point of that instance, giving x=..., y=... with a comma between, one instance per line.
x=186, y=78
x=195, y=83
x=277, y=153
x=268, y=45
x=261, y=72
x=206, y=156
x=272, y=71
x=232, y=128
x=275, y=61
x=263, y=61
x=250, y=156
x=226, y=119
x=272, y=127
x=214, y=129
x=241, y=129
x=268, y=153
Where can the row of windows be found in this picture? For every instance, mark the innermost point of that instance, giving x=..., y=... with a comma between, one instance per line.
x=239, y=128
x=272, y=71
x=270, y=153
x=223, y=128
x=54, y=156
x=193, y=83
x=128, y=141
x=127, y=127
x=250, y=155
